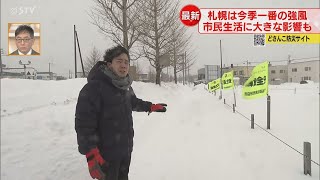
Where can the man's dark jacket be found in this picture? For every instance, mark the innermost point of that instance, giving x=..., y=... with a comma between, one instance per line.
x=103, y=116
x=33, y=52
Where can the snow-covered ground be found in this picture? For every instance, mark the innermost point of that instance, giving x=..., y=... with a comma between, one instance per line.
x=197, y=138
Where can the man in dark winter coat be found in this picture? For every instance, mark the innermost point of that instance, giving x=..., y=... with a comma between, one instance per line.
x=103, y=119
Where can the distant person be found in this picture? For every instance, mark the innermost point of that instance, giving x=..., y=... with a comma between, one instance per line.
x=103, y=118
x=24, y=37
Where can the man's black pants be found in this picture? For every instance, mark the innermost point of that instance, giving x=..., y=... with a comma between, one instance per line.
x=117, y=169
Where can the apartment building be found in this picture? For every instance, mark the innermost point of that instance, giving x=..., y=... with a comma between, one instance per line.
x=307, y=70
x=209, y=73
x=242, y=72
x=278, y=74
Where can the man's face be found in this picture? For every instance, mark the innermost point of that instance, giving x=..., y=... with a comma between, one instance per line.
x=120, y=65
x=24, y=42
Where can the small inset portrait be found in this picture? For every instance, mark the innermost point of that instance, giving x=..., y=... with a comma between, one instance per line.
x=24, y=39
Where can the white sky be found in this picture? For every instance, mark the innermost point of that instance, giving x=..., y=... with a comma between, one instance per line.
x=197, y=138
x=58, y=17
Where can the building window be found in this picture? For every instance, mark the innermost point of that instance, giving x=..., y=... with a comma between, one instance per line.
x=241, y=72
x=294, y=70
x=235, y=72
x=273, y=71
x=306, y=78
x=282, y=71
x=201, y=76
x=307, y=68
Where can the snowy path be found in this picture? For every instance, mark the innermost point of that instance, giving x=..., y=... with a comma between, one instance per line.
x=201, y=143
x=197, y=138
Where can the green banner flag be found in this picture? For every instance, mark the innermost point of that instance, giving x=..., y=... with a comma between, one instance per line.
x=214, y=85
x=227, y=80
x=257, y=85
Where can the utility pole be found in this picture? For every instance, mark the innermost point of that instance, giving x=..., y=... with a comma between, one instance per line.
x=75, y=50
x=76, y=42
x=77, y=39
x=220, y=97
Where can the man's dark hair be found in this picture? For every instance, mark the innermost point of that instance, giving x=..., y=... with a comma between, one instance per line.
x=23, y=28
x=114, y=52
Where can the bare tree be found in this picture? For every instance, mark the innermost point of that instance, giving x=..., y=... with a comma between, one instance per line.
x=92, y=59
x=151, y=76
x=159, y=16
x=117, y=20
x=138, y=68
x=182, y=50
x=184, y=61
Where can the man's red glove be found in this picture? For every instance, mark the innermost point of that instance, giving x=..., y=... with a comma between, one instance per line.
x=161, y=107
x=96, y=163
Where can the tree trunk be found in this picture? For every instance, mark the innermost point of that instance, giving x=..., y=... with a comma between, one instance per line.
x=157, y=58
x=158, y=73
x=175, y=65
x=125, y=24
